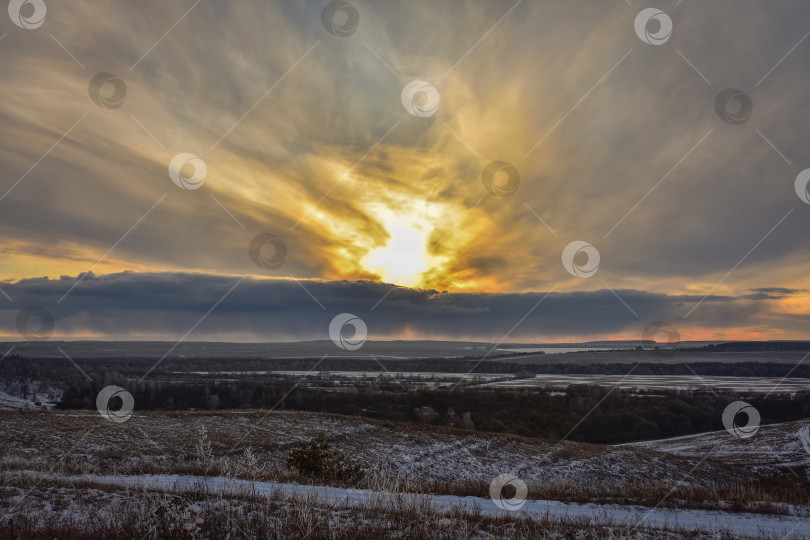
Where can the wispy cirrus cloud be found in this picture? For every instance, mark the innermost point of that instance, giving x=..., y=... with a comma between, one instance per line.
x=284, y=113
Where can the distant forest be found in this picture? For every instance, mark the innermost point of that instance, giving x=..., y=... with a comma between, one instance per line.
x=61, y=370
x=622, y=415
x=754, y=346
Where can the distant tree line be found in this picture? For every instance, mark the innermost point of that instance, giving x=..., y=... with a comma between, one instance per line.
x=621, y=415
x=754, y=346
x=59, y=370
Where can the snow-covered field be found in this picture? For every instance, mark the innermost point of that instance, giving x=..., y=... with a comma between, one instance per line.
x=16, y=395
x=773, y=446
x=164, y=442
x=411, y=378
x=670, y=382
x=712, y=481
x=737, y=524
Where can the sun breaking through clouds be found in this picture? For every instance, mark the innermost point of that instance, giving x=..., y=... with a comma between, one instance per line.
x=407, y=152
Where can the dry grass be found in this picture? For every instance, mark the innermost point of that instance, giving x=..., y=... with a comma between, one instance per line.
x=252, y=445
x=87, y=512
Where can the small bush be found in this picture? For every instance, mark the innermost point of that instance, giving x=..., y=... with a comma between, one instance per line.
x=318, y=460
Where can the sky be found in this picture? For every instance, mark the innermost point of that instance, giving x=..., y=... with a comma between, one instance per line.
x=494, y=170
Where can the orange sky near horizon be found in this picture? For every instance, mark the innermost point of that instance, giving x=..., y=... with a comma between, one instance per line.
x=615, y=143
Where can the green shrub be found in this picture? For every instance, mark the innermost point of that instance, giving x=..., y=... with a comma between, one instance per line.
x=319, y=461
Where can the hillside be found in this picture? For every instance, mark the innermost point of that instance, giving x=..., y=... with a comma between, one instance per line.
x=774, y=449
x=198, y=459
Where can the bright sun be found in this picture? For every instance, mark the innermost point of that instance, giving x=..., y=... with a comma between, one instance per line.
x=405, y=256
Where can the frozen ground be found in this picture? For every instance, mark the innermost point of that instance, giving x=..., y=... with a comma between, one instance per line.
x=711, y=481
x=737, y=524
x=763, y=385
x=773, y=446
x=167, y=442
x=15, y=394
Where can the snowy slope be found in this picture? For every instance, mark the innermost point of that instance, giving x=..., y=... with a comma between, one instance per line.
x=16, y=394
x=151, y=440
x=773, y=447
x=738, y=524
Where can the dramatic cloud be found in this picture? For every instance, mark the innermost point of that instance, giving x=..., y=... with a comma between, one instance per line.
x=167, y=305
x=304, y=135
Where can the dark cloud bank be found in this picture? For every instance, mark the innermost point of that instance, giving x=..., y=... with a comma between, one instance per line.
x=167, y=305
